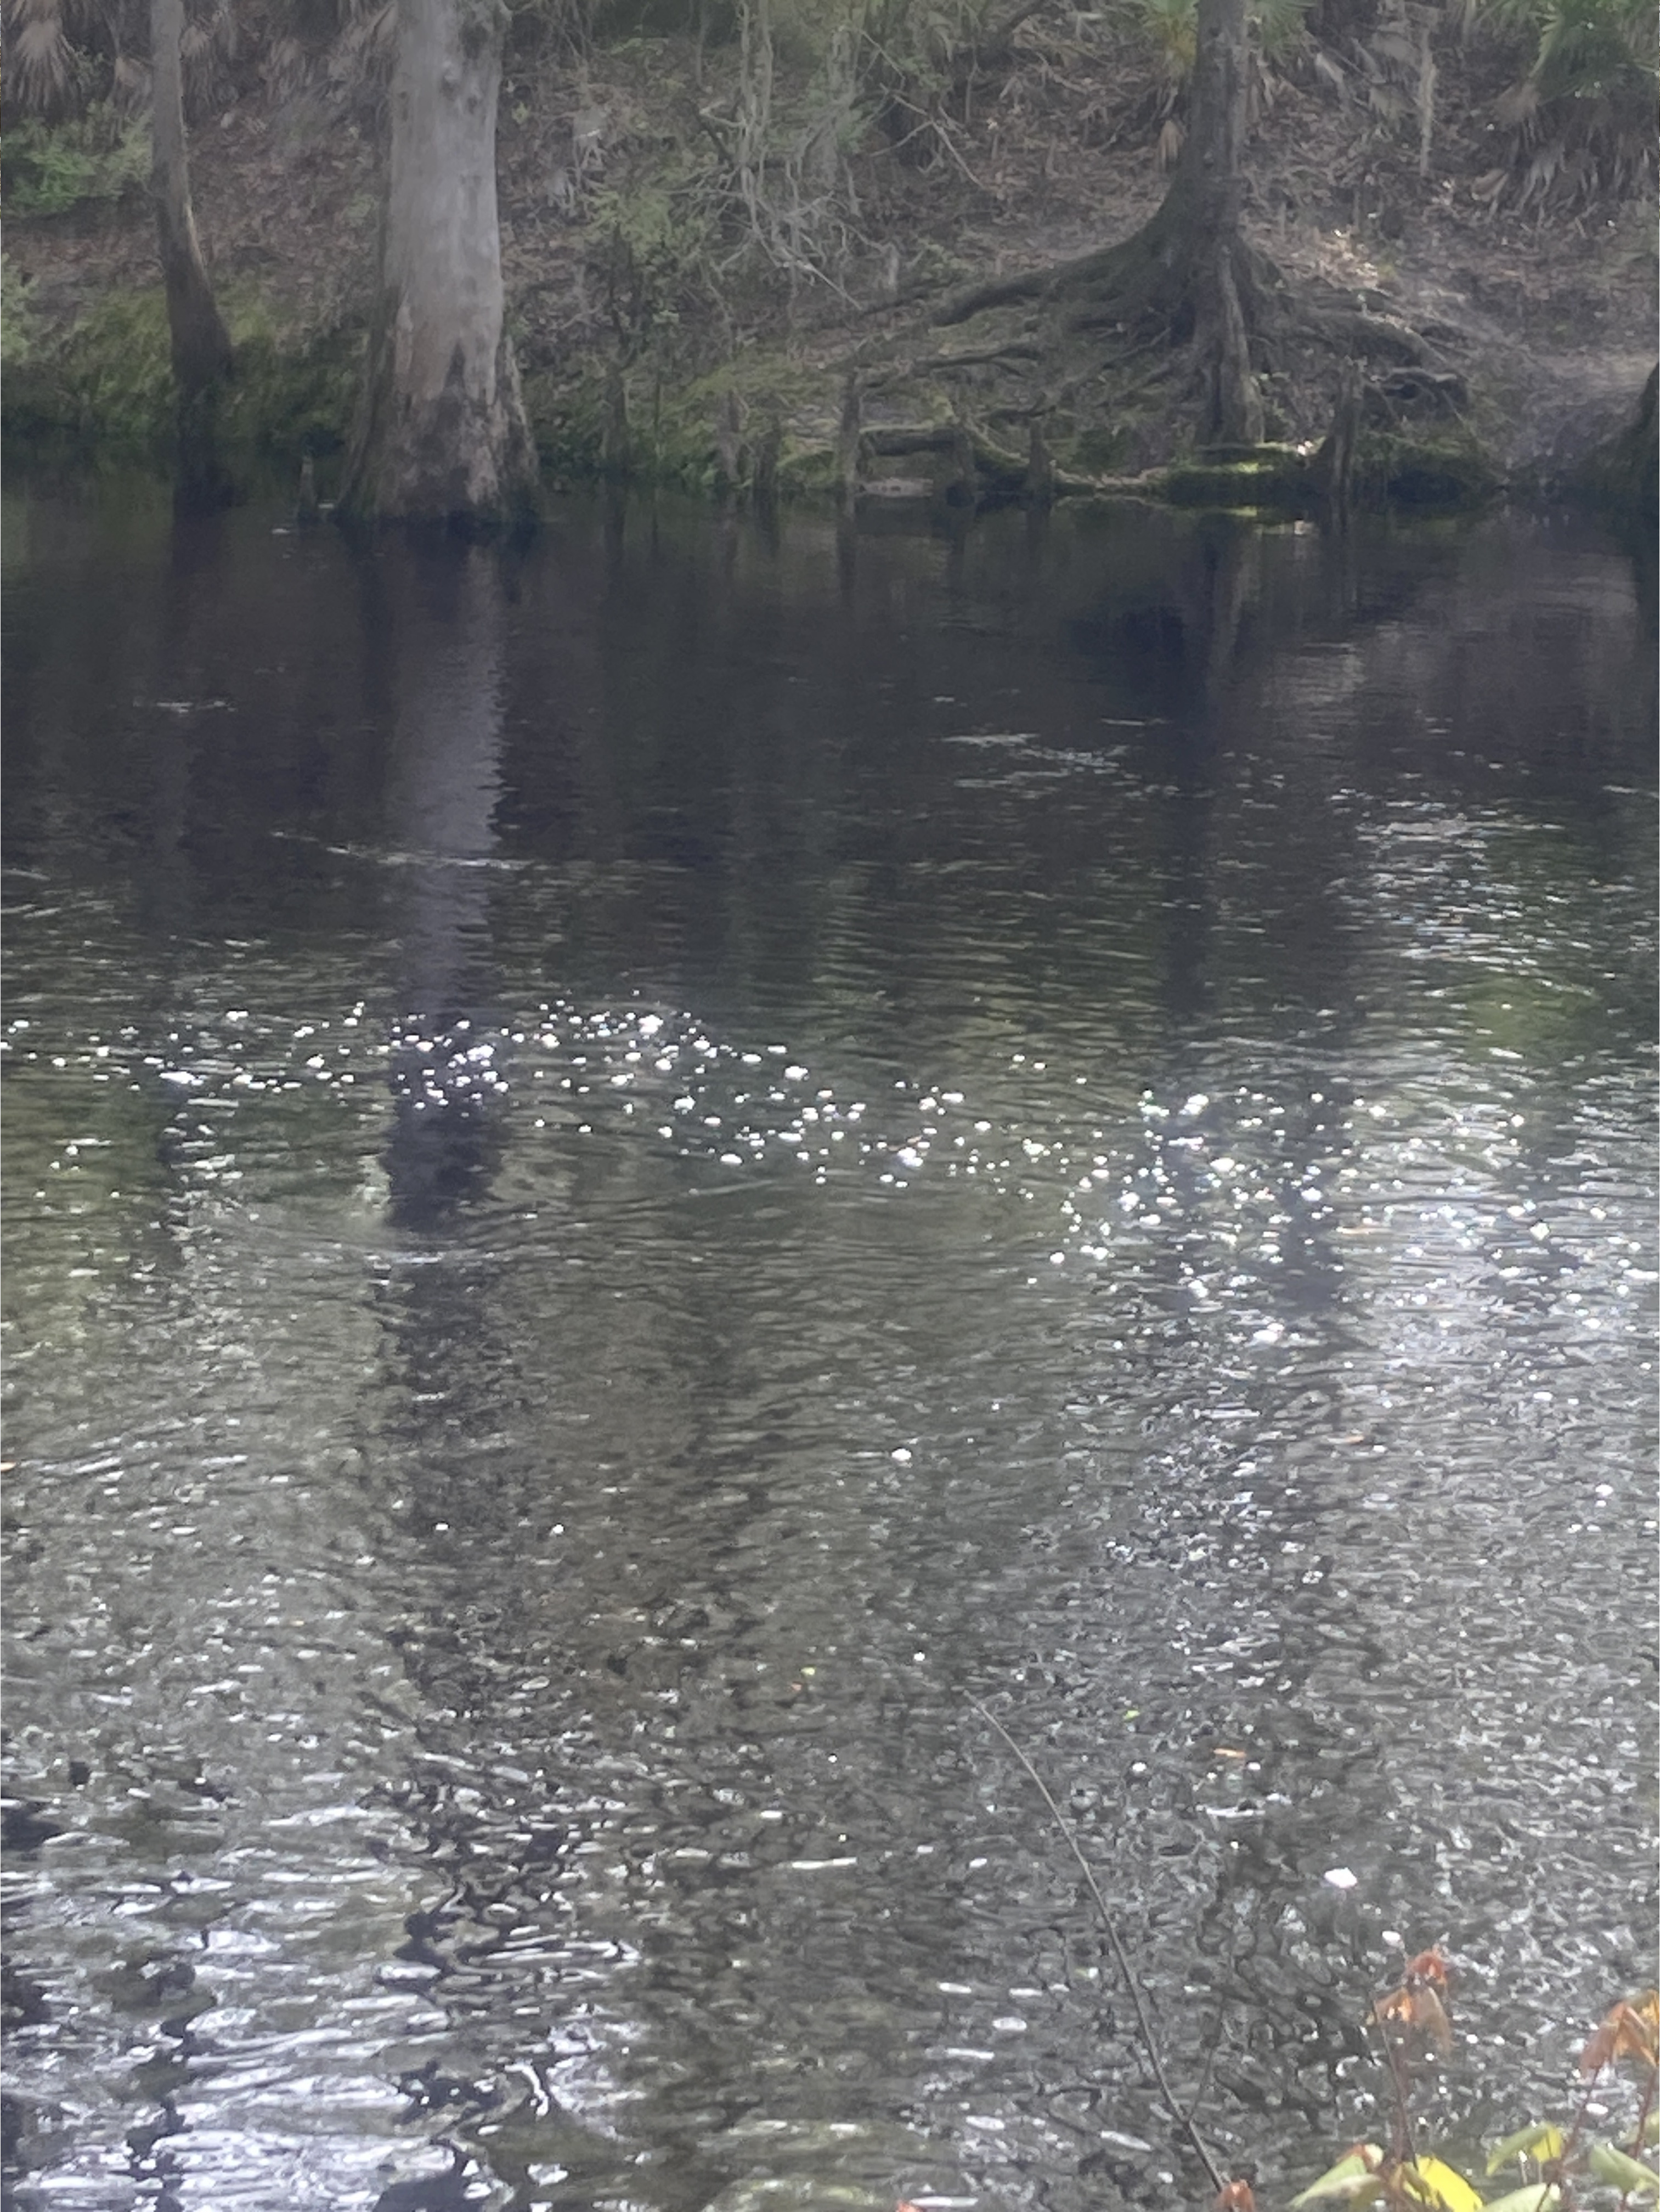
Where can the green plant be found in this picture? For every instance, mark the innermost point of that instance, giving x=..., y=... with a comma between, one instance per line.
x=919, y=63
x=654, y=247
x=1582, y=118
x=1560, y=2167
x=1585, y=49
x=108, y=381
x=787, y=172
x=65, y=58
x=1169, y=31
x=1169, y=28
x=48, y=168
x=19, y=326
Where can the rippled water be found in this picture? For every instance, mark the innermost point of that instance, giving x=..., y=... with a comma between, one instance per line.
x=634, y=1173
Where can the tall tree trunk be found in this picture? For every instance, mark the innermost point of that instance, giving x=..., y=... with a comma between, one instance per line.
x=441, y=433
x=201, y=344
x=1210, y=178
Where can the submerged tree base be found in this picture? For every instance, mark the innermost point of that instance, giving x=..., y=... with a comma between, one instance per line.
x=460, y=457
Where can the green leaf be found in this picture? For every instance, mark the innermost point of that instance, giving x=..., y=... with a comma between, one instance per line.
x=1353, y=2180
x=1537, y=2196
x=1539, y=2139
x=1620, y=2172
x=1439, y=2184
x=1649, y=2134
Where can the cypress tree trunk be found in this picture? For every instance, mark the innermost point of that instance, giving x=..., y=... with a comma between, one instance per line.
x=1193, y=261
x=1189, y=266
x=1212, y=160
x=200, y=343
x=441, y=434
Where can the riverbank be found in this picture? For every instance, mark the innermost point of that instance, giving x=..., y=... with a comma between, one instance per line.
x=667, y=328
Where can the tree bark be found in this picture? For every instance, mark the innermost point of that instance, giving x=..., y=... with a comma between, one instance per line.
x=847, y=441
x=1207, y=186
x=1196, y=265
x=1212, y=170
x=441, y=434
x=200, y=343
x=1334, y=463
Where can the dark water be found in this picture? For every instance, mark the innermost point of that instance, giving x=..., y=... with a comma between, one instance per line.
x=633, y=1173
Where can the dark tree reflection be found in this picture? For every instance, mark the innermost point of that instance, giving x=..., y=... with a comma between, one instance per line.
x=441, y=789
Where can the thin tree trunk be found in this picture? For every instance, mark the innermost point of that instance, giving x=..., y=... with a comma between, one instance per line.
x=441, y=434
x=200, y=343
x=1334, y=465
x=847, y=441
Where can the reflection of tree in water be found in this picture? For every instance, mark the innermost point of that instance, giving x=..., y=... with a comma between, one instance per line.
x=636, y=1662
x=441, y=797
x=536, y=1946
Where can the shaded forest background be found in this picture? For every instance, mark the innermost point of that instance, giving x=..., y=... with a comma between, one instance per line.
x=715, y=211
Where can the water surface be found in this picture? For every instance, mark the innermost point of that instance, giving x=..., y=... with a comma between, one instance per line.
x=634, y=1172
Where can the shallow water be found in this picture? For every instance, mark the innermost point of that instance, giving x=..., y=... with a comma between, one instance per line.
x=634, y=1173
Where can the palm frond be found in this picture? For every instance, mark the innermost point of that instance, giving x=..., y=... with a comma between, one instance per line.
x=1590, y=47
x=1583, y=117
x=286, y=67
x=130, y=85
x=40, y=61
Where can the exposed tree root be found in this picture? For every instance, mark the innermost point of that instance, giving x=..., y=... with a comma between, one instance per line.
x=1188, y=272
x=978, y=357
x=1004, y=292
x=1215, y=299
x=1188, y=281
x=1217, y=310
x=1186, y=302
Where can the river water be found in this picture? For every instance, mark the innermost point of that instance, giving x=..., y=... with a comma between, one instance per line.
x=638, y=1174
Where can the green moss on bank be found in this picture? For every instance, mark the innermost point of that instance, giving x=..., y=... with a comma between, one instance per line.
x=1444, y=473
x=106, y=386
x=1438, y=473
x=1278, y=478
x=107, y=383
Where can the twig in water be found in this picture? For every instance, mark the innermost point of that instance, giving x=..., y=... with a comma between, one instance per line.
x=1198, y=2097
x=1403, y=2145
x=1183, y=2120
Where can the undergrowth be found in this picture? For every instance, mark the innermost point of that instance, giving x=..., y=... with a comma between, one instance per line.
x=109, y=380
x=787, y=89
x=20, y=327
x=49, y=168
